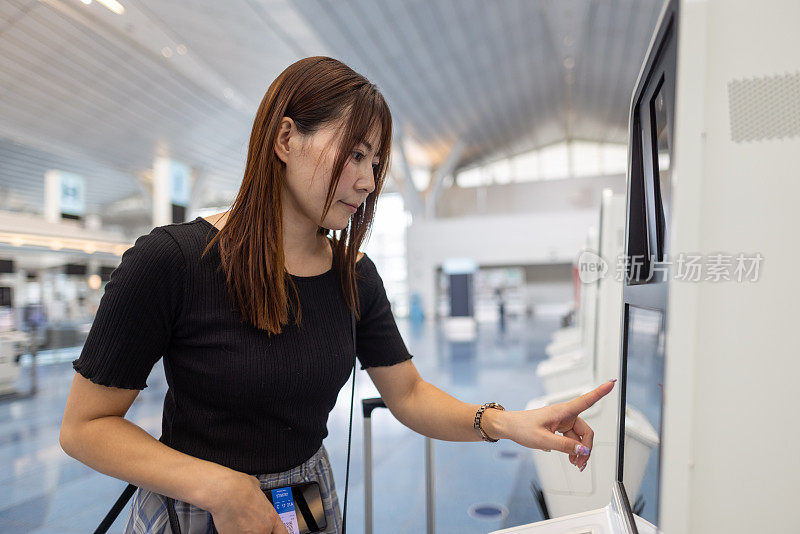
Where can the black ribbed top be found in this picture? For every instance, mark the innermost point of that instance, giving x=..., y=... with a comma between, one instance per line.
x=236, y=397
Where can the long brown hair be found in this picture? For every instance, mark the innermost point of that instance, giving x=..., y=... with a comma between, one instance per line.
x=313, y=92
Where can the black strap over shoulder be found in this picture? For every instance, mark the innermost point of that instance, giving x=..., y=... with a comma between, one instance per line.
x=112, y=514
x=350, y=430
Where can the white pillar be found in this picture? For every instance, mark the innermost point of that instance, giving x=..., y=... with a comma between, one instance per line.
x=64, y=192
x=170, y=186
x=52, y=196
x=162, y=207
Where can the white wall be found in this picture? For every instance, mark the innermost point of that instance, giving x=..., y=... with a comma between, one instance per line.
x=554, y=237
x=528, y=197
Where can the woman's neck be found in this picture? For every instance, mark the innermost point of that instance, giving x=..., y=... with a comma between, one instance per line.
x=299, y=261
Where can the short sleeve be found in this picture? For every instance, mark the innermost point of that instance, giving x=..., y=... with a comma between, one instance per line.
x=133, y=325
x=378, y=341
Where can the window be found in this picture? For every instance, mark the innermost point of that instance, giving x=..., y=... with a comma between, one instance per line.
x=554, y=162
x=563, y=160
x=586, y=160
x=387, y=249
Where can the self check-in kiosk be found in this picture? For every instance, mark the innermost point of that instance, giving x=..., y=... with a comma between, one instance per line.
x=634, y=506
x=710, y=361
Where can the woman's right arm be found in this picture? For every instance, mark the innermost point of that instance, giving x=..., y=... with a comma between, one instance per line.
x=95, y=432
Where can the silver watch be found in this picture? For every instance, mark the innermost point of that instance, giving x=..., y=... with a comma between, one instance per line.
x=479, y=414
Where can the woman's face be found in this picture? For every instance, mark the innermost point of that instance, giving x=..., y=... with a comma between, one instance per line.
x=309, y=165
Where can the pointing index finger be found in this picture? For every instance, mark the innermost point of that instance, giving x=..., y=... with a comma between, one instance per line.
x=585, y=401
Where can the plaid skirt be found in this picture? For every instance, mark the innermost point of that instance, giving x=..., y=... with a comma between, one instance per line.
x=148, y=513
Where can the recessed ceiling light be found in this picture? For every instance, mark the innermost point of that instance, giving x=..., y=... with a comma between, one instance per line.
x=180, y=49
x=166, y=51
x=113, y=5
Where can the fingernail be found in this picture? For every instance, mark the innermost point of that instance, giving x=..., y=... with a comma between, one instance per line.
x=613, y=380
x=582, y=468
x=581, y=449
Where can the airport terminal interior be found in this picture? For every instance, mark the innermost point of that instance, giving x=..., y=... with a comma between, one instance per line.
x=577, y=191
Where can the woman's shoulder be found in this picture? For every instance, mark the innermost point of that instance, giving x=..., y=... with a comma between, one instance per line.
x=155, y=245
x=171, y=247
x=154, y=254
x=182, y=231
x=364, y=263
x=367, y=273
x=190, y=237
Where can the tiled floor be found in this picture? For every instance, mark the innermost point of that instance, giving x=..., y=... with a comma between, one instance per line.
x=42, y=490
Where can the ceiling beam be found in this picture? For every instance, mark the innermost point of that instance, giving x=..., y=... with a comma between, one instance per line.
x=411, y=195
x=445, y=169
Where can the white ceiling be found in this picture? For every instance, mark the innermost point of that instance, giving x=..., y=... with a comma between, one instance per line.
x=92, y=92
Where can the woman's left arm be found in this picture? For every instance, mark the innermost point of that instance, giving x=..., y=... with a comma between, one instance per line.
x=426, y=409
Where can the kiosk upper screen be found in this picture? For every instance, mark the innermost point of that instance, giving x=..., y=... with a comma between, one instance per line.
x=661, y=149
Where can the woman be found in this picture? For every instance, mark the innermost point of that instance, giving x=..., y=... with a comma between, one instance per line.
x=251, y=311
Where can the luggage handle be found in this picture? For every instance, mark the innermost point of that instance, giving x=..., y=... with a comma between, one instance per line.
x=367, y=407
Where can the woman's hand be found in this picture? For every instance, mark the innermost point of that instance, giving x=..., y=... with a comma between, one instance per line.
x=242, y=508
x=537, y=429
